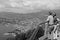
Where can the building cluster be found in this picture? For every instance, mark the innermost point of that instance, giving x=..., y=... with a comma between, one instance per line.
x=9, y=20
x=18, y=21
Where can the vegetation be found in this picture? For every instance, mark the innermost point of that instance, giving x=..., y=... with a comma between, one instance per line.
x=13, y=21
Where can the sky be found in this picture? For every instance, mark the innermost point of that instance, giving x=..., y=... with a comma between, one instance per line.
x=23, y=6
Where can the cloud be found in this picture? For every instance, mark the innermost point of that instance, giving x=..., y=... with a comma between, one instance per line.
x=36, y=4
x=29, y=5
x=2, y=6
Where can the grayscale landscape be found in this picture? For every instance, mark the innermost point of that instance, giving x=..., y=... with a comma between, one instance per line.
x=25, y=14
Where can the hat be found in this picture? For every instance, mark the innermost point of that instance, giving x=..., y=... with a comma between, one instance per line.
x=50, y=13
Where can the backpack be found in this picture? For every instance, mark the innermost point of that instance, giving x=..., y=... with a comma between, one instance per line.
x=55, y=20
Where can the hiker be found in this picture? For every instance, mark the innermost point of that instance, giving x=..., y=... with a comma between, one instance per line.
x=50, y=21
x=56, y=25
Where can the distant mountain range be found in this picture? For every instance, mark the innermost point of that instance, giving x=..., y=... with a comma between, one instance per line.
x=27, y=15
